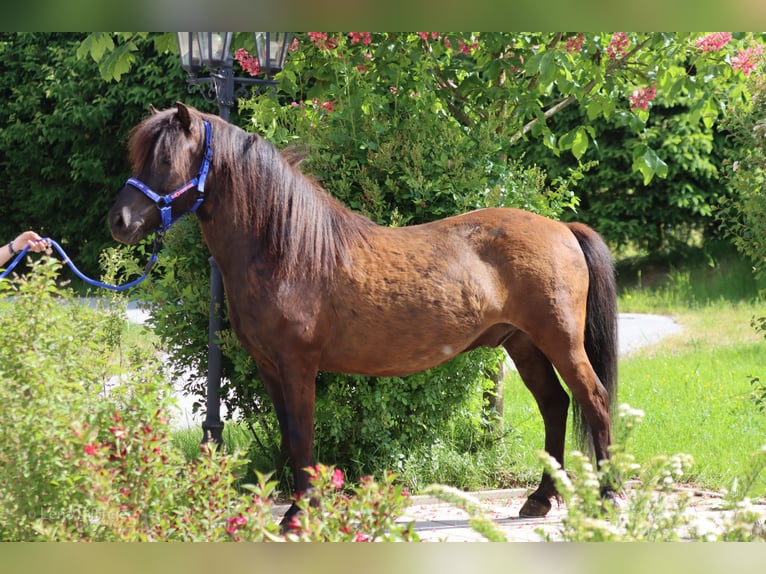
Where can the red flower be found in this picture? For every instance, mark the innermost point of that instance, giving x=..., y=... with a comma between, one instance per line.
x=639, y=100
x=467, y=48
x=747, y=60
x=361, y=537
x=574, y=43
x=321, y=41
x=329, y=106
x=90, y=449
x=337, y=478
x=618, y=46
x=249, y=63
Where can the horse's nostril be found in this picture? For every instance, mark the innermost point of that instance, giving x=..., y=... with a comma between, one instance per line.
x=120, y=219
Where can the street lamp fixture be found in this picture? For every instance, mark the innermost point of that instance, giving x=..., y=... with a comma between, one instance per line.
x=212, y=50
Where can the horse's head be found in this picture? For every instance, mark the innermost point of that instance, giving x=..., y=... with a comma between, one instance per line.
x=170, y=155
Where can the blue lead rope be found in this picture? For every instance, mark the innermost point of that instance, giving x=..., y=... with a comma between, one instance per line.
x=147, y=267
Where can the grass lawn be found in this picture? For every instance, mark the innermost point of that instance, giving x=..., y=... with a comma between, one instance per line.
x=696, y=391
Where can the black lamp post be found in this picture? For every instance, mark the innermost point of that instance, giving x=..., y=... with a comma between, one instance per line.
x=211, y=50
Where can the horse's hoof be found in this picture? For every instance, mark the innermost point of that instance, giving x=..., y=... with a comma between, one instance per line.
x=535, y=508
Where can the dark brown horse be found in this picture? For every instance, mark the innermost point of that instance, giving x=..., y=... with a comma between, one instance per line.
x=314, y=286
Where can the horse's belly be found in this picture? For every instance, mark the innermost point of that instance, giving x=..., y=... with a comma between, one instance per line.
x=386, y=362
x=386, y=347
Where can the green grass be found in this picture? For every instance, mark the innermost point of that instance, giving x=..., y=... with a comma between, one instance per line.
x=694, y=387
x=697, y=400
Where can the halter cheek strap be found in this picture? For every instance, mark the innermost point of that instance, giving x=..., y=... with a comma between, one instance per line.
x=165, y=202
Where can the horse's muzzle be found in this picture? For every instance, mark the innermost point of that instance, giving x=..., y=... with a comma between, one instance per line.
x=125, y=226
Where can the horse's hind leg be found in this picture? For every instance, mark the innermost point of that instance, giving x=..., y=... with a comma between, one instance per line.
x=538, y=375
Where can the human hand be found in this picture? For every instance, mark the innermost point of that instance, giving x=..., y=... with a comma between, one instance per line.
x=31, y=239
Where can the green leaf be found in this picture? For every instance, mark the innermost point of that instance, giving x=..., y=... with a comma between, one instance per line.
x=118, y=62
x=96, y=45
x=648, y=163
x=580, y=143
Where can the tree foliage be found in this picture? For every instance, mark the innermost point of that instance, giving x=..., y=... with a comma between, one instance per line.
x=744, y=214
x=63, y=132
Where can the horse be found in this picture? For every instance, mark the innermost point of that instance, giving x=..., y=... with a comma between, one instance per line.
x=314, y=286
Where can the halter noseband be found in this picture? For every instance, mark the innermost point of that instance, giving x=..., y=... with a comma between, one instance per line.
x=164, y=202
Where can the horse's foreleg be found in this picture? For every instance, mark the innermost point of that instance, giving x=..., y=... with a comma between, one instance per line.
x=538, y=375
x=292, y=389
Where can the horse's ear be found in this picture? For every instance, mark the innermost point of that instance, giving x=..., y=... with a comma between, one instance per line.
x=153, y=109
x=184, y=116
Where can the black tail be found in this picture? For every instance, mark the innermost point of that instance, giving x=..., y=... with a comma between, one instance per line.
x=601, y=319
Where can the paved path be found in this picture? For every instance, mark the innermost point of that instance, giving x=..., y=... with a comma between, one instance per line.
x=436, y=521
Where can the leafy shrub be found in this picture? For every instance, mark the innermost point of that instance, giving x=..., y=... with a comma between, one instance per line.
x=744, y=215
x=63, y=133
x=85, y=451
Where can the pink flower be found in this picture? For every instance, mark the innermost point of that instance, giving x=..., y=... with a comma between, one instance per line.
x=747, y=60
x=90, y=449
x=321, y=41
x=618, y=46
x=639, y=100
x=233, y=523
x=361, y=537
x=447, y=43
x=713, y=42
x=363, y=37
x=329, y=106
x=249, y=63
x=294, y=45
x=574, y=43
x=467, y=48
x=425, y=35
x=337, y=478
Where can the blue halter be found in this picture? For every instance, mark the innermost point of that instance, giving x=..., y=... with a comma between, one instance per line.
x=164, y=202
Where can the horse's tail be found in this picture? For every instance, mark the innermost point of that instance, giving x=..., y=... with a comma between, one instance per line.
x=601, y=319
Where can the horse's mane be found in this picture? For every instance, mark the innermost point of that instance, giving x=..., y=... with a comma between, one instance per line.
x=306, y=230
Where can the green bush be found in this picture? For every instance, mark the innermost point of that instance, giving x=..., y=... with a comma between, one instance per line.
x=63, y=132
x=86, y=452
x=744, y=215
